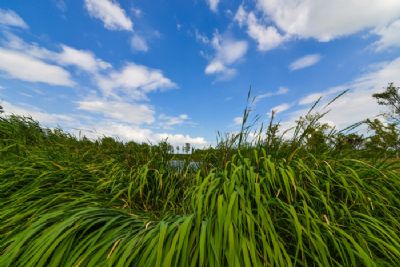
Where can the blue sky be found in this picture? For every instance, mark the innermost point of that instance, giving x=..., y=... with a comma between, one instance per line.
x=150, y=70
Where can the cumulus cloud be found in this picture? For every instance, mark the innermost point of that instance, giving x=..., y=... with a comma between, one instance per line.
x=119, y=110
x=213, y=4
x=127, y=132
x=82, y=59
x=10, y=18
x=305, y=62
x=228, y=51
x=135, y=80
x=110, y=13
x=97, y=128
x=286, y=20
x=138, y=43
x=267, y=37
x=27, y=68
x=68, y=56
x=326, y=20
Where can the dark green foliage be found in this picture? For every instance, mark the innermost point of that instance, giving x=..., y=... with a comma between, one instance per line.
x=390, y=98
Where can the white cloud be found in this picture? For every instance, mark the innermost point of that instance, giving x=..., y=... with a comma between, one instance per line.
x=213, y=4
x=84, y=60
x=167, y=122
x=180, y=139
x=241, y=16
x=12, y=41
x=389, y=36
x=37, y=114
x=304, y=62
x=311, y=98
x=139, y=43
x=227, y=52
x=201, y=37
x=61, y=5
x=326, y=20
x=95, y=128
x=267, y=37
x=10, y=18
x=237, y=121
x=24, y=67
x=68, y=56
x=281, y=108
x=135, y=133
x=109, y=11
x=119, y=110
x=281, y=91
x=358, y=104
x=117, y=113
x=137, y=12
x=135, y=80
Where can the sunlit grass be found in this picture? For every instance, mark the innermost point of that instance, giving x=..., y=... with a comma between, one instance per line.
x=69, y=202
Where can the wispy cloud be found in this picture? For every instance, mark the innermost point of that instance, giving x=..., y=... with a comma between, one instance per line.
x=47, y=118
x=228, y=51
x=281, y=108
x=110, y=13
x=356, y=105
x=213, y=4
x=281, y=91
x=10, y=18
x=167, y=122
x=305, y=62
x=138, y=43
x=237, y=121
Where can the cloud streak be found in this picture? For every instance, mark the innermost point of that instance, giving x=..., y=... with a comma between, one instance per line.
x=305, y=62
x=10, y=18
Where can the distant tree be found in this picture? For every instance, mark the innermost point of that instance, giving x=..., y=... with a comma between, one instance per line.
x=187, y=148
x=386, y=137
x=166, y=147
x=391, y=99
x=350, y=141
x=177, y=149
x=1, y=109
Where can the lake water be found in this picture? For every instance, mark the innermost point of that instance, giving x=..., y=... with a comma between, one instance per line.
x=180, y=164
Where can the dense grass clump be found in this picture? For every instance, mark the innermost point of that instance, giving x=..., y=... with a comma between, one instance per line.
x=70, y=202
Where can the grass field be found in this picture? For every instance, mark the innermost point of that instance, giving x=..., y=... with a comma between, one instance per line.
x=70, y=202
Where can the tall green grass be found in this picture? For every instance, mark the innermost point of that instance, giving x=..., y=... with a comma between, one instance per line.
x=70, y=202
